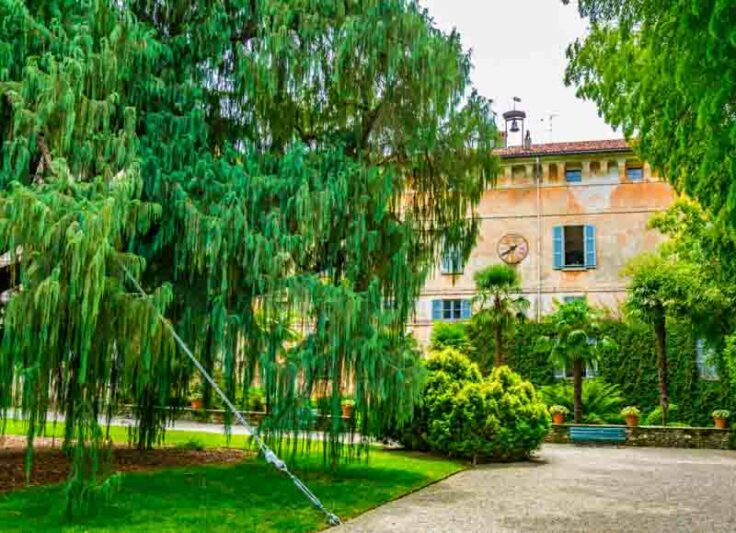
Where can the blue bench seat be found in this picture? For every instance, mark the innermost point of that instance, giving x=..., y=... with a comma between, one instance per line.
x=597, y=434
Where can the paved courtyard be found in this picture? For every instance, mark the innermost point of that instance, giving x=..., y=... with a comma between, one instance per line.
x=574, y=489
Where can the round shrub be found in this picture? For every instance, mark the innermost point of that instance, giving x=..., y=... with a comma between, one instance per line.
x=498, y=418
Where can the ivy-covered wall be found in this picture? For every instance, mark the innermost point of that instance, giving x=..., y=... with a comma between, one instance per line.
x=632, y=366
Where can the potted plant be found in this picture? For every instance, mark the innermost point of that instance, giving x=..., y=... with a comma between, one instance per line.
x=256, y=400
x=195, y=394
x=631, y=414
x=347, y=405
x=559, y=412
x=720, y=416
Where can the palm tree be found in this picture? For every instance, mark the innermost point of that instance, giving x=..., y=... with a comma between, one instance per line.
x=499, y=308
x=575, y=344
x=661, y=288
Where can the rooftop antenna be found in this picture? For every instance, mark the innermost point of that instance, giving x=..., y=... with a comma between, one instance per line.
x=550, y=116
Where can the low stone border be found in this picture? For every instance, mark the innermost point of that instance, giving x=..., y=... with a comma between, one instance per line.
x=217, y=416
x=658, y=436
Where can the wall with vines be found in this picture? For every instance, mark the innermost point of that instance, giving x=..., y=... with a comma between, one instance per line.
x=632, y=366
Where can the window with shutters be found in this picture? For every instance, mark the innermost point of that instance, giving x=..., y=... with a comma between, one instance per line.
x=573, y=173
x=451, y=309
x=634, y=172
x=574, y=247
x=705, y=360
x=452, y=261
x=565, y=372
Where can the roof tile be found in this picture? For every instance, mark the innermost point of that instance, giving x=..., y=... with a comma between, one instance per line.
x=577, y=147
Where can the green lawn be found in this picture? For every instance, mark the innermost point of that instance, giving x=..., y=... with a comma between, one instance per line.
x=250, y=496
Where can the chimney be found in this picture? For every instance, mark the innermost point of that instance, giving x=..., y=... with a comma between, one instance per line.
x=528, y=141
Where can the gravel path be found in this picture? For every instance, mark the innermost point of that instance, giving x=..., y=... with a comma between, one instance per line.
x=574, y=489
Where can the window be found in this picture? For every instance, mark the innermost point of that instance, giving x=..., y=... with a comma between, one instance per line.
x=552, y=171
x=568, y=299
x=705, y=360
x=634, y=172
x=590, y=371
x=452, y=309
x=389, y=304
x=518, y=171
x=452, y=261
x=573, y=247
x=595, y=168
x=573, y=175
x=613, y=169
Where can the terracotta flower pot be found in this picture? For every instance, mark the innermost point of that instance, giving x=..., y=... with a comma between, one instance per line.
x=197, y=404
x=720, y=423
x=632, y=421
x=558, y=418
x=347, y=410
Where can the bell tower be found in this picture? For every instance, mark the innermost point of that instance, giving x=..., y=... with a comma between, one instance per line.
x=514, y=122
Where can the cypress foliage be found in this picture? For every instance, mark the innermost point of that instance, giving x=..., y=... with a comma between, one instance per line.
x=260, y=165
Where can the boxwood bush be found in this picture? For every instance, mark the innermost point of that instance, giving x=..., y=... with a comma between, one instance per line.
x=496, y=418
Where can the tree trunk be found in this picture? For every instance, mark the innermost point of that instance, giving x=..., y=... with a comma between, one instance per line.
x=499, y=352
x=577, y=391
x=660, y=331
x=498, y=333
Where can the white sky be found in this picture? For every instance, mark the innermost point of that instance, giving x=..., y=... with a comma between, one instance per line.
x=518, y=49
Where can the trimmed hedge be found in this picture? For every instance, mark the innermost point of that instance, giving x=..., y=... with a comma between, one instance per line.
x=632, y=367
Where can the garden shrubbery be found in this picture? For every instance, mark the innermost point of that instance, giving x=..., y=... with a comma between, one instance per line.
x=632, y=367
x=602, y=401
x=496, y=418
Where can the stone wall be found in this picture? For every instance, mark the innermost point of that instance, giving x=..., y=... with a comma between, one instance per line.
x=662, y=437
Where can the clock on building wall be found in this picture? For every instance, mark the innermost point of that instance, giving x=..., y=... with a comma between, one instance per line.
x=512, y=248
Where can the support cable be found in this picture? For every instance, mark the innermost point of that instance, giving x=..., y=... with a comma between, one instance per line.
x=268, y=454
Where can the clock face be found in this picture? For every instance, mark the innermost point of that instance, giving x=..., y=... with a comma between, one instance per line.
x=512, y=248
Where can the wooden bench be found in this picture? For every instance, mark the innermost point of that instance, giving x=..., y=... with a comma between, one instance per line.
x=597, y=434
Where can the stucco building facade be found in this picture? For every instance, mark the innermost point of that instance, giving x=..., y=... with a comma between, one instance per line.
x=567, y=216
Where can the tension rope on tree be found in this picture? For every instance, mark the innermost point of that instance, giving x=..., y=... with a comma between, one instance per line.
x=272, y=172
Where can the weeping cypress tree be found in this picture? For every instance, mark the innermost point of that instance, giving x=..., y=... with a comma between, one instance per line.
x=249, y=161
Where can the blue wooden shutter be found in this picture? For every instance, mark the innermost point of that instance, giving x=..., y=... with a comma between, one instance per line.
x=558, y=248
x=590, y=252
x=457, y=261
x=446, y=265
x=465, y=309
x=436, y=309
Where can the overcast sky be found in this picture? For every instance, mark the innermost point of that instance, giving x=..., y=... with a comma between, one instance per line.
x=518, y=49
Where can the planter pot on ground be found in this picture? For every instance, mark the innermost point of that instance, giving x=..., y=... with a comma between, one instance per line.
x=632, y=421
x=197, y=404
x=347, y=411
x=720, y=423
x=558, y=418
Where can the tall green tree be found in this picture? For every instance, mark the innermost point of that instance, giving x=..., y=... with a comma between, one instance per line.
x=662, y=287
x=577, y=342
x=665, y=71
x=269, y=158
x=500, y=305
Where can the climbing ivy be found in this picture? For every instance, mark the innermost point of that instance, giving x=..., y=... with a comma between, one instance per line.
x=632, y=366
x=272, y=171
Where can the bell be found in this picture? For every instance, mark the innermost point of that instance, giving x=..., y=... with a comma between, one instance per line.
x=514, y=126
